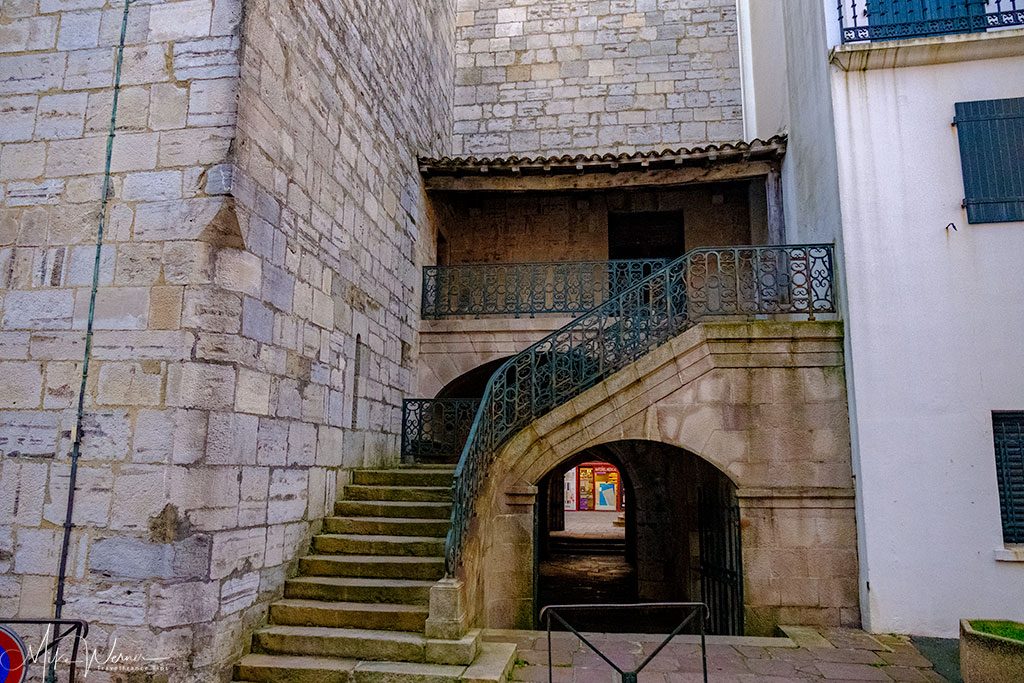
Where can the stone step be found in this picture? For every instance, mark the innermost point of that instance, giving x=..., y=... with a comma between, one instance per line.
x=285, y=668
x=391, y=508
x=450, y=466
x=387, y=526
x=439, y=494
x=492, y=665
x=381, y=617
x=347, y=643
x=366, y=544
x=420, y=476
x=348, y=589
x=373, y=566
x=406, y=672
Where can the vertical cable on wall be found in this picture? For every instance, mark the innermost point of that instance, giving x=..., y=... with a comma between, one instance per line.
x=77, y=443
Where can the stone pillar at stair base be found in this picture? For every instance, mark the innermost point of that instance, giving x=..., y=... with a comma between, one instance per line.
x=449, y=619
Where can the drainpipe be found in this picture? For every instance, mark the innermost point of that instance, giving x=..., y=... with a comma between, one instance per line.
x=58, y=606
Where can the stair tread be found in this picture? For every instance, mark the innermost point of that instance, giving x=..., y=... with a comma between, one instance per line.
x=310, y=662
x=358, y=606
x=378, y=559
x=453, y=671
x=400, y=503
x=391, y=520
x=363, y=581
x=401, y=486
x=384, y=538
x=332, y=632
x=428, y=470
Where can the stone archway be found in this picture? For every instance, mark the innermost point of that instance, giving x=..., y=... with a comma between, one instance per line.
x=765, y=405
x=681, y=540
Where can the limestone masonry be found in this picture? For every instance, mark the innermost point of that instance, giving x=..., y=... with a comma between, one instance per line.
x=535, y=77
x=260, y=252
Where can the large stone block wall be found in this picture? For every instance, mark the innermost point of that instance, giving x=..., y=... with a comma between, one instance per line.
x=552, y=77
x=266, y=214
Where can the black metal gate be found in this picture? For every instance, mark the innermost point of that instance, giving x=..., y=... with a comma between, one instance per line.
x=721, y=562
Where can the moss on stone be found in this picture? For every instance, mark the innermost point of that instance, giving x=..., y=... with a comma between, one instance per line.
x=1005, y=629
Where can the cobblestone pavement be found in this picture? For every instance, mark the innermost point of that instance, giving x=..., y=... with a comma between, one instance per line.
x=592, y=524
x=808, y=655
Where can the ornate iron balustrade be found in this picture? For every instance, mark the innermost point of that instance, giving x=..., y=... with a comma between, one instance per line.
x=864, y=20
x=436, y=428
x=528, y=288
x=730, y=281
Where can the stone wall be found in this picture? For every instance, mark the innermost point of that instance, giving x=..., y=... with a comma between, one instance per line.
x=255, y=318
x=552, y=77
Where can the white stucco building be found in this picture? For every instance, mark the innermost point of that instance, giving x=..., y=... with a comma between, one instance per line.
x=933, y=294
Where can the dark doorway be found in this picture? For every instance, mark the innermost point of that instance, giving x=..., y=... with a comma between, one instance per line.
x=675, y=537
x=646, y=235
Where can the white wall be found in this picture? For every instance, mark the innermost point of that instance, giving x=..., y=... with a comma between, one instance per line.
x=935, y=324
x=763, y=69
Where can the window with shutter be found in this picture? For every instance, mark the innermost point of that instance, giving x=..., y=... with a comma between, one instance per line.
x=1009, y=440
x=895, y=19
x=991, y=134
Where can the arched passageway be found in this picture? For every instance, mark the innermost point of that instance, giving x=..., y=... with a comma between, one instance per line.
x=666, y=530
x=471, y=384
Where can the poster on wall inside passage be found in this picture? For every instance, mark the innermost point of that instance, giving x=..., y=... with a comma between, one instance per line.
x=606, y=483
x=586, y=488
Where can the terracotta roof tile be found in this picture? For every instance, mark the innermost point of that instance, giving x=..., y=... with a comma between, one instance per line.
x=606, y=163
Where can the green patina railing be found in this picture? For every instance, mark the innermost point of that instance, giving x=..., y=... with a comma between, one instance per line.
x=435, y=428
x=702, y=282
x=518, y=289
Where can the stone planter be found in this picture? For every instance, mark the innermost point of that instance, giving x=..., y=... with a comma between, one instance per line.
x=986, y=658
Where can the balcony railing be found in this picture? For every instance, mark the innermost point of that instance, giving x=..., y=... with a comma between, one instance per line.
x=867, y=20
x=436, y=428
x=773, y=279
x=721, y=281
x=518, y=289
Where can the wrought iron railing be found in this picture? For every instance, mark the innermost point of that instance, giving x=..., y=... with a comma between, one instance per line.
x=864, y=20
x=436, y=428
x=729, y=281
x=519, y=289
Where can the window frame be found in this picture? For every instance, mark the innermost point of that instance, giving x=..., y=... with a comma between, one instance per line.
x=1011, y=504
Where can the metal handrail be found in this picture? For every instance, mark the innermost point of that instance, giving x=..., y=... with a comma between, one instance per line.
x=532, y=288
x=709, y=281
x=436, y=427
x=551, y=611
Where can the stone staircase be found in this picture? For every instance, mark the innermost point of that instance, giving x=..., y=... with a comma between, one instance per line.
x=357, y=609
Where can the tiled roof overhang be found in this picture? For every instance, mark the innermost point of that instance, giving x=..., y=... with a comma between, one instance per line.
x=756, y=150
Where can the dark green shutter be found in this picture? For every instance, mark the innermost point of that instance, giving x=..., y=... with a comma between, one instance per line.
x=897, y=19
x=1009, y=438
x=991, y=136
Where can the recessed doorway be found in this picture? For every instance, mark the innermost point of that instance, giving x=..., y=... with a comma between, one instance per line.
x=646, y=235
